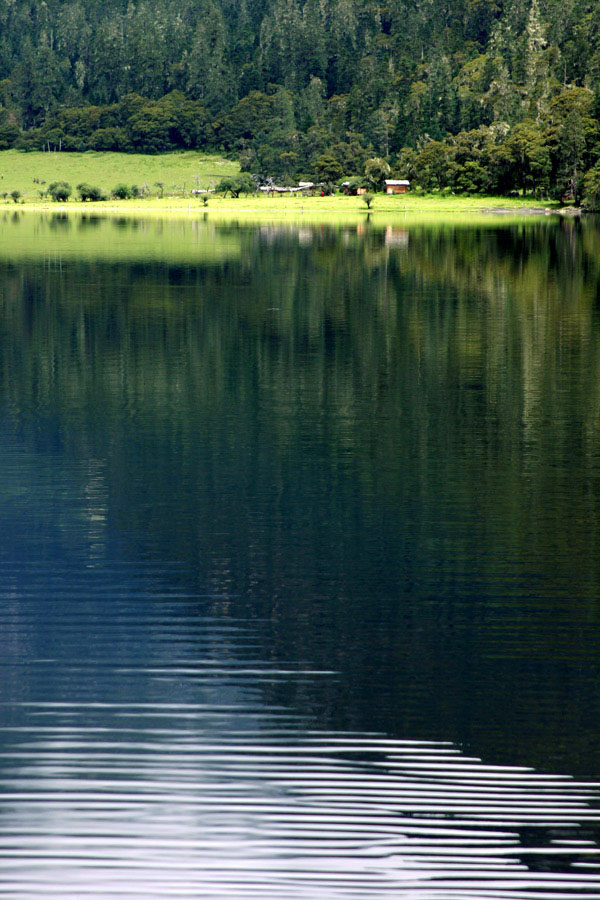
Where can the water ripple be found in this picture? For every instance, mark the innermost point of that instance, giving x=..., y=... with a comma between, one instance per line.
x=151, y=805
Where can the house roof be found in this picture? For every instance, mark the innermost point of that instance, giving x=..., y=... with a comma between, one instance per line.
x=395, y=181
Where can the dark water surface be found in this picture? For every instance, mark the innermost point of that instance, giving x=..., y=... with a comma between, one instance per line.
x=299, y=561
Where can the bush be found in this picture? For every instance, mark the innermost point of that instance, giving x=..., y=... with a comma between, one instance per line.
x=121, y=192
x=368, y=200
x=60, y=191
x=89, y=192
x=15, y=196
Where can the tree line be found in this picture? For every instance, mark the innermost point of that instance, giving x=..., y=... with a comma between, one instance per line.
x=465, y=95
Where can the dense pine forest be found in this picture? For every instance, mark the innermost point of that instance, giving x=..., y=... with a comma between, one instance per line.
x=457, y=95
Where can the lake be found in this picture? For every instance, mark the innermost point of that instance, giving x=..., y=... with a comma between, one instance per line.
x=299, y=559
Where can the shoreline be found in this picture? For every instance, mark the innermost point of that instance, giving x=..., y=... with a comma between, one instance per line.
x=329, y=210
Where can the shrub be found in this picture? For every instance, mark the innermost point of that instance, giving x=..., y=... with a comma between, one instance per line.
x=121, y=192
x=60, y=191
x=368, y=199
x=15, y=196
x=89, y=192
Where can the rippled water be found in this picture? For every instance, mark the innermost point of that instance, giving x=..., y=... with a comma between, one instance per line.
x=299, y=563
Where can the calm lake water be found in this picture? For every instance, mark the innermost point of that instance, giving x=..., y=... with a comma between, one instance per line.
x=299, y=560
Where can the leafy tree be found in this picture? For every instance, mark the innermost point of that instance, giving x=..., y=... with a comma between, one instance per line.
x=121, y=192
x=89, y=192
x=376, y=171
x=236, y=185
x=15, y=196
x=109, y=139
x=407, y=164
x=246, y=119
x=60, y=191
x=328, y=168
x=9, y=134
x=432, y=165
x=523, y=159
x=591, y=188
x=572, y=134
x=282, y=83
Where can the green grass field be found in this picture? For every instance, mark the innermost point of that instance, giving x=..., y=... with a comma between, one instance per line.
x=177, y=171
x=181, y=172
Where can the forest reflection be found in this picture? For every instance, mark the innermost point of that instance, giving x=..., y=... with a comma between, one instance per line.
x=382, y=443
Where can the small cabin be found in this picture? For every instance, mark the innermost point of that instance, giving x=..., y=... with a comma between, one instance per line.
x=352, y=188
x=393, y=186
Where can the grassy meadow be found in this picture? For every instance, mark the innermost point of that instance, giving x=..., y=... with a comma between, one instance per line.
x=179, y=173
x=176, y=171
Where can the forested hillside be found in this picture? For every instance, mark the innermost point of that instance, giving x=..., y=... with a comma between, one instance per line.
x=465, y=94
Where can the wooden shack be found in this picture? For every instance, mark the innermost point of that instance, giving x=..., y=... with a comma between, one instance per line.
x=393, y=186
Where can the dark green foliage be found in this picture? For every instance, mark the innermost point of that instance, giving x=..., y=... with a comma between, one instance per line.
x=121, y=192
x=328, y=168
x=468, y=95
x=89, y=192
x=15, y=196
x=376, y=171
x=591, y=188
x=9, y=133
x=236, y=185
x=60, y=191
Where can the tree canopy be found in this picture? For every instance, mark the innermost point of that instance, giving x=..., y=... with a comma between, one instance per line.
x=487, y=95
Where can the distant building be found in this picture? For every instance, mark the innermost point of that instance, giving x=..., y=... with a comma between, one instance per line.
x=393, y=186
x=351, y=188
x=279, y=189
